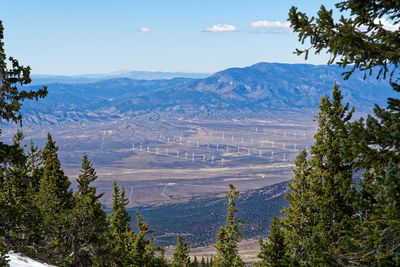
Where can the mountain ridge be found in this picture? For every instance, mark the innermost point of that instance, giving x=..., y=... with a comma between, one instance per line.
x=262, y=86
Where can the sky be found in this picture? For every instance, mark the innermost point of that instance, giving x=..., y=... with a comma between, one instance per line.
x=70, y=37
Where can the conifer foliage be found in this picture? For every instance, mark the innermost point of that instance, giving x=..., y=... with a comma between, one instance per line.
x=181, y=253
x=273, y=252
x=344, y=198
x=229, y=235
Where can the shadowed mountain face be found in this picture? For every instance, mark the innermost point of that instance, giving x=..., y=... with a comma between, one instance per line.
x=263, y=86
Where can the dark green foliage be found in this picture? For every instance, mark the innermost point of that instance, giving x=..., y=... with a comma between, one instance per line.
x=3, y=254
x=86, y=223
x=195, y=262
x=319, y=213
x=274, y=251
x=54, y=200
x=10, y=95
x=370, y=237
x=229, y=235
x=202, y=262
x=181, y=253
x=129, y=248
x=359, y=40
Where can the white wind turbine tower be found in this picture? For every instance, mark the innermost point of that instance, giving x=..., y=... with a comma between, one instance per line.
x=166, y=152
x=272, y=155
x=140, y=147
x=133, y=146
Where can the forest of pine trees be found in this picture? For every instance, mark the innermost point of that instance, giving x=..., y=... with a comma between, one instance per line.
x=343, y=200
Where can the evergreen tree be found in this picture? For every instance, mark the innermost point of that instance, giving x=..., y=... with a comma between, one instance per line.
x=363, y=42
x=86, y=224
x=180, y=256
x=195, y=262
x=129, y=248
x=11, y=81
x=143, y=251
x=121, y=233
x=202, y=262
x=228, y=236
x=317, y=209
x=54, y=201
x=14, y=208
x=274, y=252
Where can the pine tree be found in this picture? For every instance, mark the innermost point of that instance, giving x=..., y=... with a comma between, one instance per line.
x=129, y=248
x=11, y=81
x=202, y=262
x=318, y=207
x=143, y=251
x=273, y=251
x=121, y=234
x=365, y=44
x=228, y=236
x=54, y=201
x=180, y=256
x=86, y=224
x=195, y=262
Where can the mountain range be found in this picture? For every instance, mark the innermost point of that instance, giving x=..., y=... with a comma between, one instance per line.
x=38, y=79
x=231, y=92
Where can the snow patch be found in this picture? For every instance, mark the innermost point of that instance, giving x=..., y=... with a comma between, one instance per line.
x=17, y=260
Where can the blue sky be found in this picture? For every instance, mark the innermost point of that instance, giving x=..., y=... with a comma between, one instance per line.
x=100, y=36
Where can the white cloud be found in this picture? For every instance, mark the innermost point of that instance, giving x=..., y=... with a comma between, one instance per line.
x=144, y=29
x=222, y=28
x=386, y=24
x=265, y=24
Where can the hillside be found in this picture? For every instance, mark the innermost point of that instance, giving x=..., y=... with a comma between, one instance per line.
x=229, y=93
x=199, y=220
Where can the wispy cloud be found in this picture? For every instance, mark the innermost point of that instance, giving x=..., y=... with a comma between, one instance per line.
x=222, y=28
x=265, y=24
x=144, y=29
